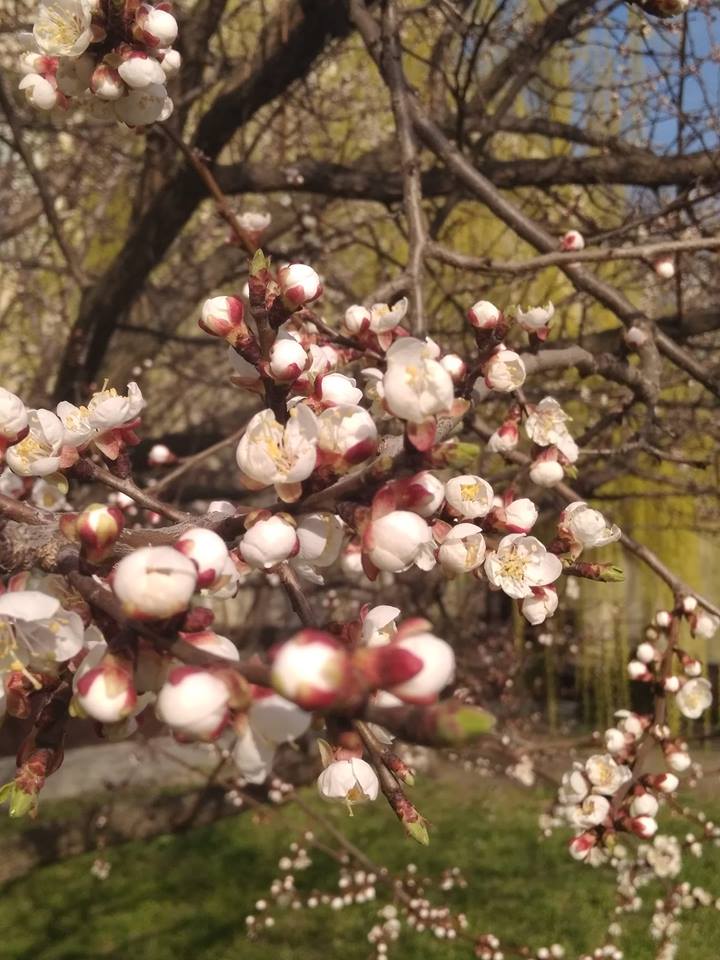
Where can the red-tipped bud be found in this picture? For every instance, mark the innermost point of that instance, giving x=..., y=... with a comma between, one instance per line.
x=299, y=284
x=312, y=669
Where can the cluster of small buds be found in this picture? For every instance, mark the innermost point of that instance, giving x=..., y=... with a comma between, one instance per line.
x=607, y=952
x=100, y=868
x=114, y=58
x=278, y=792
x=487, y=947
x=452, y=878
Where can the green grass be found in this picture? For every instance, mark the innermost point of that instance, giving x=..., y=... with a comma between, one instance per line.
x=187, y=896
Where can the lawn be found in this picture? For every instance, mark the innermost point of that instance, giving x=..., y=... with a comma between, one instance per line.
x=187, y=896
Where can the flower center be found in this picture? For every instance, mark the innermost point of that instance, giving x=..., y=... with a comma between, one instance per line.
x=513, y=566
x=59, y=27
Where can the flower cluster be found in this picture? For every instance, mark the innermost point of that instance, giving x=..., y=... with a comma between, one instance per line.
x=114, y=58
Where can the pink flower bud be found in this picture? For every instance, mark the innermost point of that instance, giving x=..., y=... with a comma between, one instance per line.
x=299, y=284
x=287, y=359
x=207, y=551
x=160, y=456
x=541, y=604
x=153, y=583
x=519, y=516
x=104, y=686
x=158, y=27
x=645, y=827
x=505, y=437
x=545, y=470
x=637, y=670
x=455, y=366
x=438, y=663
x=636, y=337
x=312, y=669
x=222, y=316
x=614, y=740
x=645, y=652
x=426, y=493
x=99, y=526
x=572, y=240
x=397, y=540
x=211, y=642
x=678, y=759
x=644, y=805
x=663, y=619
x=665, y=267
x=581, y=845
x=484, y=315
x=171, y=62
x=357, y=319
x=671, y=684
x=268, y=542
x=138, y=70
x=689, y=604
x=194, y=702
x=691, y=667
x=664, y=782
x=504, y=371
x=106, y=83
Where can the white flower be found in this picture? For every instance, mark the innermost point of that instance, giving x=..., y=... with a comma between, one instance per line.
x=484, y=315
x=253, y=756
x=271, y=720
x=36, y=632
x=276, y=719
x=384, y=318
x=208, y=552
x=437, y=671
x=62, y=27
x=268, y=542
x=541, y=604
x=470, y=496
x=39, y=91
x=215, y=643
x=311, y=669
x=287, y=359
x=694, y=697
x=108, y=409
x=399, y=539
x=463, y=549
x=335, y=388
x=587, y=527
x=194, y=702
x=591, y=812
x=159, y=26
x=535, y=319
x=545, y=423
x=39, y=453
x=504, y=371
x=415, y=385
x=270, y=453
x=321, y=537
x=13, y=417
x=572, y=240
x=574, y=787
x=299, y=284
x=521, y=563
x=347, y=431
x=665, y=856
x=605, y=774
x=140, y=71
x=142, y=107
x=73, y=76
x=154, y=582
x=350, y=781
x=378, y=625
x=357, y=319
